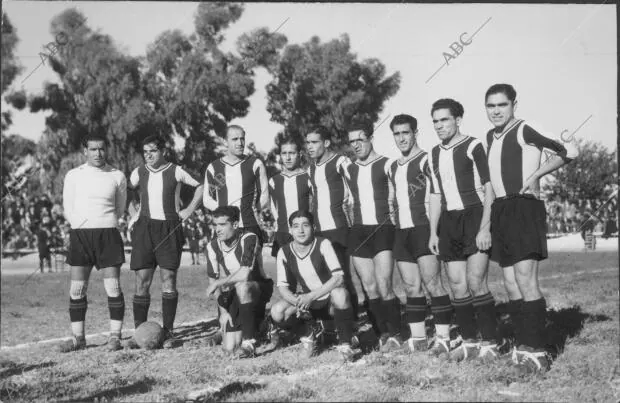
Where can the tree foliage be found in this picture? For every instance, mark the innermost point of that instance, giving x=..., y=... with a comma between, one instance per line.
x=324, y=83
x=592, y=176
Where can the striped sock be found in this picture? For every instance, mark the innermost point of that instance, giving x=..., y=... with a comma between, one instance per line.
x=169, y=301
x=116, y=306
x=77, y=313
x=442, y=315
x=464, y=310
x=416, y=315
x=484, y=305
x=141, y=304
x=515, y=307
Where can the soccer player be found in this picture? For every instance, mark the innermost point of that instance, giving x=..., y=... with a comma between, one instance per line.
x=237, y=180
x=415, y=261
x=157, y=235
x=289, y=190
x=311, y=262
x=327, y=173
x=94, y=197
x=460, y=234
x=241, y=290
x=372, y=235
x=518, y=217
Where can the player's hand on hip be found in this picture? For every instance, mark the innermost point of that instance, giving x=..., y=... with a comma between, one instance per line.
x=183, y=214
x=433, y=244
x=212, y=287
x=483, y=239
x=529, y=185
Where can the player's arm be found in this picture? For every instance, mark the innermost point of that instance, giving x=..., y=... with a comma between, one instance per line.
x=336, y=280
x=343, y=169
x=184, y=177
x=121, y=196
x=283, y=279
x=564, y=153
x=261, y=175
x=274, y=210
x=209, y=188
x=391, y=191
x=434, y=206
x=479, y=157
x=68, y=195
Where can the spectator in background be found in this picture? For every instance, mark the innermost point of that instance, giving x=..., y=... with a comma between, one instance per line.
x=192, y=234
x=44, y=242
x=610, y=225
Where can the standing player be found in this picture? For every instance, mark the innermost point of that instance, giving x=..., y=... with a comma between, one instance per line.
x=94, y=197
x=461, y=233
x=372, y=235
x=327, y=172
x=157, y=236
x=312, y=263
x=289, y=191
x=518, y=217
x=241, y=290
x=414, y=260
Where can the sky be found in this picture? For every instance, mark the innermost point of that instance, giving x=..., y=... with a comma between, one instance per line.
x=561, y=59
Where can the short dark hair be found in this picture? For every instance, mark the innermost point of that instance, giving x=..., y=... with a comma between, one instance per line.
x=404, y=119
x=94, y=137
x=321, y=131
x=289, y=139
x=365, y=127
x=237, y=127
x=231, y=212
x=456, y=109
x=154, y=139
x=505, y=89
x=301, y=214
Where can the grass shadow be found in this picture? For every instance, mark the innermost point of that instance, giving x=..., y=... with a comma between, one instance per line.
x=143, y=386
x=197, y=331
x=234, y=388
x=14, y=369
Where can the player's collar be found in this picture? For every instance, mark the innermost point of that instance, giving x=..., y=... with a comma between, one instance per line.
x=292, y=175
x=464, y=139
x=161, y=168
x=307, y=253
x=507, y=128
x=410, y=158
x=334, y=155
x=245, y=157
x=225, y=248
x=379, y=156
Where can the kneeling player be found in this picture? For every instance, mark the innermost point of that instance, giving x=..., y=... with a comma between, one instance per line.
x=312, y=263
x=242, y=292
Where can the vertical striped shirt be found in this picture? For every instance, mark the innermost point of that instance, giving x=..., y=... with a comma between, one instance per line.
x=459, y=173
x=310, y=271
x=409, y=180
x=514, y=155
x=288, y=194
x=237, y=184
x=329, y=192
x=223, y=260
x=370, y=189
x=160, y=190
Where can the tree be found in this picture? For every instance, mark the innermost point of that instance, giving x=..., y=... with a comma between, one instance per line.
x=323, y=83
x=592, y=177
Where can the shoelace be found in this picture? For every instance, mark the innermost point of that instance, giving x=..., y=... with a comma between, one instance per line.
x=466, y=346
x=533, y=357
x=486, y=349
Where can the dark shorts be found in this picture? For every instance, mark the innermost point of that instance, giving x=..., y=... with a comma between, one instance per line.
x=279, y=240
x=99, y=247
x=411, y=243
x=319, y=309
x=338, y=237
x=194, y=247
x=368, y=240
x=156, y=243
x=518, y=230
x=229, y=300
x=457, y=233
x=257, y=231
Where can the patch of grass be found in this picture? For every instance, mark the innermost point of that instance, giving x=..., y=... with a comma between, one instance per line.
x=272, y=368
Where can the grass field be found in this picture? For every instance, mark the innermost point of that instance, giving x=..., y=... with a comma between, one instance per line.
x=582, y=295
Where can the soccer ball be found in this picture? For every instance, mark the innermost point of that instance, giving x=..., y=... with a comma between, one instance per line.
x=149, y=335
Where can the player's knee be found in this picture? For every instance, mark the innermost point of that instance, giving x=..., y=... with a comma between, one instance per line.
x=478, y=287
x=78, y=289
x=414, y=290
x=244, y=290
x=112, y=287
x=340, y=298
x=278, y=311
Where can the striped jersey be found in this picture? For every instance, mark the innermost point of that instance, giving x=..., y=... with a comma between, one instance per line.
x=160, y=190
x=514, y=155
x=329, y=191
x=370, y=190
x=239, y=184
x=310, y=271
x=288, y=194
x=409, y=180
x=459, y=173
x=223, y=259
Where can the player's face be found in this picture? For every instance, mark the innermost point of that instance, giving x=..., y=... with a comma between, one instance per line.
x=95, y=152
x=446, y=125
x=153, y=156
x=225, y=229
x=361, y=145
x=290, y=156
x=235, y=139
x=316, y=145
x=500, y=110
x=302, y=230
x=404, y=137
